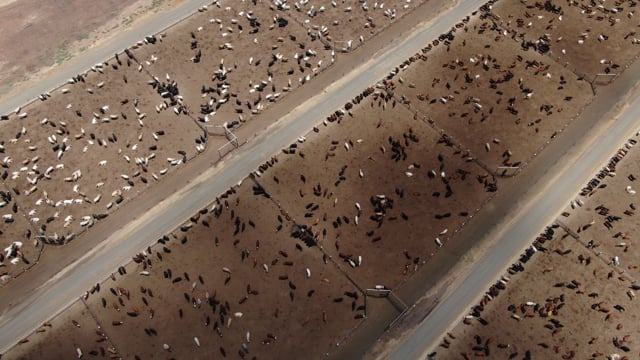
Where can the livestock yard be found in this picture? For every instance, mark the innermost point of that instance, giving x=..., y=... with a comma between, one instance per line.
x=268, y=289
x=95, y=143
x=586, y=37
x=575, y=297
x=498, y=100
x=60, y=193
x=350, y=221
x=290, y=259
x=231, y=64
x=347, y=24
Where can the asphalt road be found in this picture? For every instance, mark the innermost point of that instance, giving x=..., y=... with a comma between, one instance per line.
x=19, y=97
x=561, y=171
x=38, y=298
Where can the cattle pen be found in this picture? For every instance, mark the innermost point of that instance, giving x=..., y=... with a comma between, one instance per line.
x=379, y=185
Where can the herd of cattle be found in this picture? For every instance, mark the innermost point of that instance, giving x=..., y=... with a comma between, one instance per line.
x=486, y=88
x=396, y=164
x=272, y=246
x=79, y=153
x=260, y=273
x=588, y=37
x=346, y=24
x=236, y=59
x=587, y=278
x=104, y=107
x=360, y=220
x=292, y=277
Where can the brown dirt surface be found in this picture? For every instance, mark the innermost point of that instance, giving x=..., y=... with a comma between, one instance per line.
x=74, y=117
x=343, y=23
x=402, y=208
x=378, y=159
x=103, y=144
x=584, y=304
x=492, y=97
x=266, y=283
x=584, y=36
x=246, y=60
x=248, y=230
x=78, y=328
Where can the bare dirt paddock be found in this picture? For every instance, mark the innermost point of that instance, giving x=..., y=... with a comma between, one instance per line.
x=378, y=187
x=576, y=299
x=30, y=24
x=71, y=159
x=495, y=99
x=232, y=60
x=346, y=24
x=229, y=280
x=129, y=107
x=239, y=255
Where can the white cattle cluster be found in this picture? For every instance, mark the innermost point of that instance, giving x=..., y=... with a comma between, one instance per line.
x=12, y=253
x=334, y=23
x=222, y=308
x=78, y=152
x=241, y=58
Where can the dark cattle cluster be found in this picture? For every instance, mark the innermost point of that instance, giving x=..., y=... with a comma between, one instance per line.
x=259, y=277
x=513, y=81
x=608, y=170
x=338, y=114
x=167, y=90
x=86, y=148
x=264, y=167
x=569, y=33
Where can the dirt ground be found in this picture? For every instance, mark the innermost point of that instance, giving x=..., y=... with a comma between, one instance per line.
x=233, y=63
x=586, y=37
x=49, y=34
x=581, y=303
x=88, y=148
x=375, y=174
x=259, y=286
x=268, y=58
x=248, y=231
x=78, y=327
x=349, y=23
x=495, y=99
x=378, y=185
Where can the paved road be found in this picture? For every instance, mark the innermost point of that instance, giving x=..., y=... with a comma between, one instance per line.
x=82, y=62
x=24, y=313
x=558, y=182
